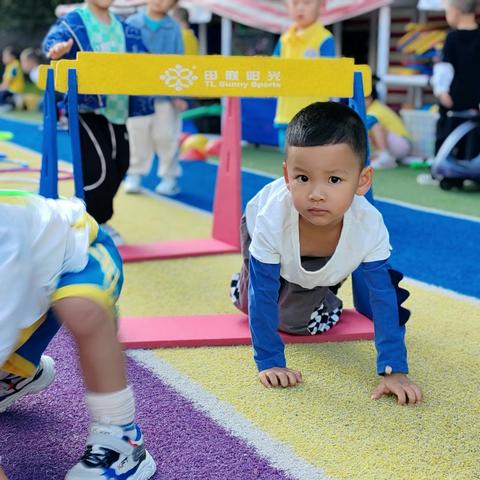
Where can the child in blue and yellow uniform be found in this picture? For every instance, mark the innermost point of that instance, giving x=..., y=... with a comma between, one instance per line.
x=61, y=268
x=13, y=81
x=306, y=38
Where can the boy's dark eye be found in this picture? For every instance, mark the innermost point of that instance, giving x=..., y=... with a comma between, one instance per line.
x=302, y=178
x=334, y=179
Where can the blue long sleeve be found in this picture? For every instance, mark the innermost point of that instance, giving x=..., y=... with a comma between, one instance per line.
x=389, y=317
x=327, y=48
x=57, y=33
x=268, y=347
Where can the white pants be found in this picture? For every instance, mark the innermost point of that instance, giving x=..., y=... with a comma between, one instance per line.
x=157, y=133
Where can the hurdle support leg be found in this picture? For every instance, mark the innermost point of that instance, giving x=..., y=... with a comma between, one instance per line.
x=227, y=204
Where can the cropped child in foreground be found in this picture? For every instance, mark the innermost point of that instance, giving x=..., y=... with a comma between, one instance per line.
x=303, y=234
x=60, y=267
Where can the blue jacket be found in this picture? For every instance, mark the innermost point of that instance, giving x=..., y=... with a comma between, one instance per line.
x=72, y=26
x=166, y=40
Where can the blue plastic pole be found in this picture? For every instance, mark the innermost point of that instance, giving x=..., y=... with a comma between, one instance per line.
x=49, y=173
x=74, y=127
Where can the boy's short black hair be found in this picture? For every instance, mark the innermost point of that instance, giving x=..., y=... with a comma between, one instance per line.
x=182, y=15
x=465, y=6
x=33, y=54
x=328, y=123
x=11, y=50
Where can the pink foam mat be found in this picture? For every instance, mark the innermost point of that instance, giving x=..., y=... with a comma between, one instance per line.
x=175, y=249
x=226, y=329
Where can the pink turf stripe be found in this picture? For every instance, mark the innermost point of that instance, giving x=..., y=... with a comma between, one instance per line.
x=228, y=329
x=175, y=249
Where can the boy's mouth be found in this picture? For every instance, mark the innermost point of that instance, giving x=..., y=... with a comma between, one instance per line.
x=318, y=211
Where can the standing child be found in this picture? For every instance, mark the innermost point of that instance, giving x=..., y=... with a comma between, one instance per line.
x=31, y=59
x=59, y=264
x=390, y=138
x=306, y=38
x=190, y=41
x=303, y=234
x=12, y=82
x=158, y=133
x=103, y=133
x=456, y=79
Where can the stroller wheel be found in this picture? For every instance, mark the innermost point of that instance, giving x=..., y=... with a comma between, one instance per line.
x=449, y=183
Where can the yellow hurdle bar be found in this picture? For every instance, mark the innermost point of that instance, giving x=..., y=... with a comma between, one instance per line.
x=210, y=76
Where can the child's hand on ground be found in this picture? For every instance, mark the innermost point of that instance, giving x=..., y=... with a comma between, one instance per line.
x=60, y=49
x=180, y=104
x=446, y=100
x=401, y=386
x=280, y=377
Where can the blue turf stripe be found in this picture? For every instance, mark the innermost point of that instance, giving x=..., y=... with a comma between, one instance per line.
x=436, y=249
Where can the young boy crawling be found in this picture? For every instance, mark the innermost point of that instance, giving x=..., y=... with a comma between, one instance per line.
x=58, y=266
x=303, y=234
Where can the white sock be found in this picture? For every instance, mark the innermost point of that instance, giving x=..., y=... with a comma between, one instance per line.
x=117, y=408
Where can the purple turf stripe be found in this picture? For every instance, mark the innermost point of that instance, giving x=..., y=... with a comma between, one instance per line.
x=43, y=435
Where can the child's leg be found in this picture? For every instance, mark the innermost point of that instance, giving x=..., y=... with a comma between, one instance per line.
x=398, y=146
x=102, y=147
x=308, y=312
x=378, y=135
x=2, y=474
x=239, y=283
x=140, y=133
x=85, y=304
x=166, y=135
x=101, y=356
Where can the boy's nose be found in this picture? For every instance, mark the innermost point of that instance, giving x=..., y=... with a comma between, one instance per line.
x=316, y=194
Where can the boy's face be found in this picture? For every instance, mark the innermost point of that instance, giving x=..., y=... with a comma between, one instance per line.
x=103, y=4
x=323, y=181
x=7, y=57
x=27, y=64
x=303, y=12
x=452, y=15
x=161, y=7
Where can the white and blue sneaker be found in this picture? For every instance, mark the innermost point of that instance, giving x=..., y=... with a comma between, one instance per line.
x=13, y=387
x=114, y=453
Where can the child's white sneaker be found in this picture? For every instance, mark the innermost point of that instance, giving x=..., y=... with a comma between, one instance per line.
x=132, y=184
x=114, y=452
x=168, y=186
x=13, y=387
x=383, y=161
x=114, y=234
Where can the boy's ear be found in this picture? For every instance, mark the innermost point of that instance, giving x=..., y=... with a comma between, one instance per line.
x=365, y=180
x=285, y=174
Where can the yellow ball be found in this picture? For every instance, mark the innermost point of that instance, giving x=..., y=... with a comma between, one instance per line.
x=197, y=142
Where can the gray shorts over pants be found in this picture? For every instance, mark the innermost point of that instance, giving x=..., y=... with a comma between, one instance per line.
x=301, y=311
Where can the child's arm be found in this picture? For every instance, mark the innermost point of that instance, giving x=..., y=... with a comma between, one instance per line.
x=58, y=42
x=389, y=322
x=268, y=347
x=443, y=73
